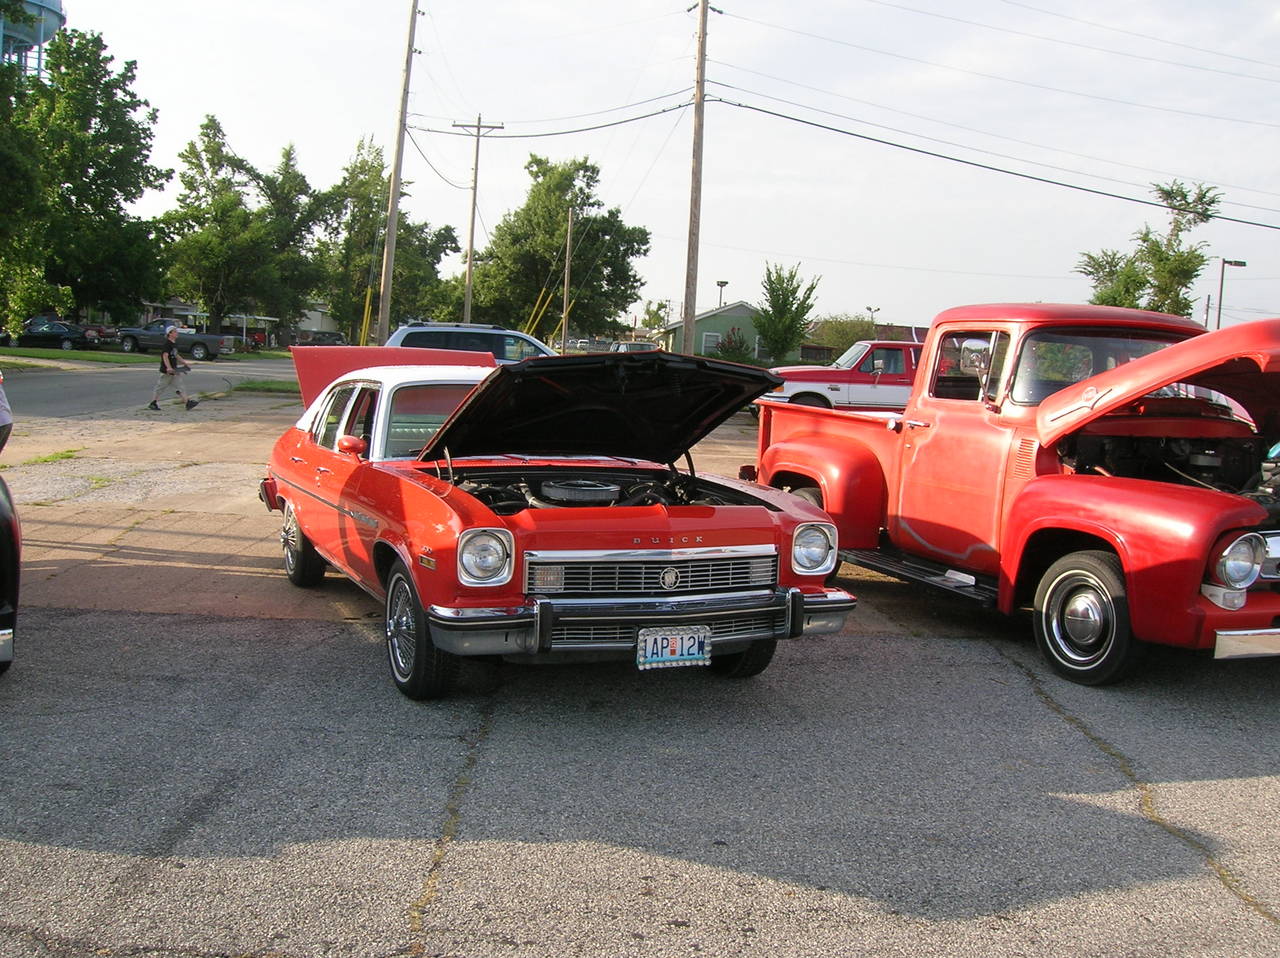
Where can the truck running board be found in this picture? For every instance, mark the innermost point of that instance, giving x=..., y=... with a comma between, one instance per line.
x=980, y=590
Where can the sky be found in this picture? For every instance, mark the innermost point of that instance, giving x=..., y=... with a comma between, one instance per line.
x=902, y=158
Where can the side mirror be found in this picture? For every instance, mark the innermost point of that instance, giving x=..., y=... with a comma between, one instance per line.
x=877, y=366
x=353, y=445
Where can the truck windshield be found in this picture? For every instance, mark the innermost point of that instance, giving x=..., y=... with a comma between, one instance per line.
x=1051, y=360
x=851, y=356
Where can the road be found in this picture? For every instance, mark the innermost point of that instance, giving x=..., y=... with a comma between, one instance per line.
x=201, y=760
x=90, y=390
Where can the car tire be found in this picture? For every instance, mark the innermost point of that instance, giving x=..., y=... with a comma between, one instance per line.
x=418, y=668
x=129, y=345
x=199, y=352
x=1081, y=618
x=66, y=344
x=4, y=666
x=752, y=660
x=302, y=564
x=810, y=494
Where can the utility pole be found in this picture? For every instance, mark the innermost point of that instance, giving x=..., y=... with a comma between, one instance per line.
x=568, y=254
x=393, y=201
x=480, y=128
x=695, y=189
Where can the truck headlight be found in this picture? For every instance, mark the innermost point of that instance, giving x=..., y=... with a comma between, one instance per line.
x=1240, y=563
x=813, y=548
x=484, y=557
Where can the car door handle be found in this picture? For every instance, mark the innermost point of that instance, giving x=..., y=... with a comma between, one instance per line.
x=296, y=459
x=917, y=424
x=320, y=469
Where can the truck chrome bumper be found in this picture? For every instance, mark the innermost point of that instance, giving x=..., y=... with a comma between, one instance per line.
x=1246, y=643
x=6, y=645
x=611, y=625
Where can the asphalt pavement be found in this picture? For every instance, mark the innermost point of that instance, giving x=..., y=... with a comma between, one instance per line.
x=202, y=760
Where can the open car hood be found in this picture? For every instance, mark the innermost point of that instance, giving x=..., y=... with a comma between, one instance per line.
x=646, y=405
x=318, y=366
x=1241, y=362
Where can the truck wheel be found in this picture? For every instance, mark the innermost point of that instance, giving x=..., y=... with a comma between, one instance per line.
x=752, y=660
x=810, y=494
x=420, y=670
x=809, y=399
x=302, y=564
x=129, y=344
x=1081, y=619
x=199, y=352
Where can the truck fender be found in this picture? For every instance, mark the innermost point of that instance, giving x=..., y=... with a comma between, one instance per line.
x=850, y=478
x=1162, y=534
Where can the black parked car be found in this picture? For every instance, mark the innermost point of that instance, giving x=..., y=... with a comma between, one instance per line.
x=10, y=555
x=57, y=334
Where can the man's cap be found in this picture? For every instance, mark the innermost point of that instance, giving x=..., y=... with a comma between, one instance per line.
x=170, y=329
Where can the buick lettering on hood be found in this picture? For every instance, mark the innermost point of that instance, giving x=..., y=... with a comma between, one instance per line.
x=547, y=509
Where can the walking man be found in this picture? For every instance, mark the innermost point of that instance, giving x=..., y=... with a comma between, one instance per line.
x=173, y=372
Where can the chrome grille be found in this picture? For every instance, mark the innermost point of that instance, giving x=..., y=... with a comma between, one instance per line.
x=745, y=627
x=669, y=576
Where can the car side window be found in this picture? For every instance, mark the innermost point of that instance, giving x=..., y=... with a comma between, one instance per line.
x=967, y=360
x=360, y=417
x=513, y=347
x=430, y=338
x=325, y=431
x=891, y=360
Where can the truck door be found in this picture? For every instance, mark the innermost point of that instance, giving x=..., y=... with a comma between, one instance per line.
x=881, y=380
x=953, y=456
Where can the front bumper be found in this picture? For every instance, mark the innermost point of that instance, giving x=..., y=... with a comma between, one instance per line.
x=611, y=625
x=6, y=645
x=1246, y=643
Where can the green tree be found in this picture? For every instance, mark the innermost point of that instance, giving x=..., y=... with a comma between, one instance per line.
x=94, y=135
x=841, y=331
x=523, y=265
x=656, y=315
x=1159, y=272
x=782, y=318
x=246, y=240
x=351, y=252
x=220, y=257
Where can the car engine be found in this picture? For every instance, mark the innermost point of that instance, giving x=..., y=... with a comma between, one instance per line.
x=507, y=493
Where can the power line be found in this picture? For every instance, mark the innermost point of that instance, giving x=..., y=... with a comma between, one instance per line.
x=1071, y=43
x=583, y=129
x=980, y=166
x=993, y=76
x=969, y=129
x=1135, y=33
x=974, y=149
x=427, y=160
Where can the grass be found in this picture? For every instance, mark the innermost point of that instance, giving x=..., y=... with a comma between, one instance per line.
x=115, y=355
x=84, y=355
x=53, y=457
x=268, y=386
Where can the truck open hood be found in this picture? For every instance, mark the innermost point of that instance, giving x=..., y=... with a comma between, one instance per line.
x=1241, y=362
x=318, y=366
x=646, y=405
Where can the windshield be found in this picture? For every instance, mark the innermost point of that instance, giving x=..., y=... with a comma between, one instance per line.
x=849, y=358
x=416, y=413
x=1051, y=360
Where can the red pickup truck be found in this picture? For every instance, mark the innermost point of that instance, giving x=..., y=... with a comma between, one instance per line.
x=1114, y=471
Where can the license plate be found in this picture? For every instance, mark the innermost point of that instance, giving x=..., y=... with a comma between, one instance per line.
x=669, y=648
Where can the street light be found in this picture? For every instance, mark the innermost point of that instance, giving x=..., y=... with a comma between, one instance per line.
x=722, y=283
x=873, y=310
x=1222, y=274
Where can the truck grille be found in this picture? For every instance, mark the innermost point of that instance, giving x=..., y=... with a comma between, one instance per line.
x=668, y=574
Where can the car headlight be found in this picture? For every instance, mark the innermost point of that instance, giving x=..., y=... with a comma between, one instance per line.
x=1240, y=563
x=813, y=548
x=484, y=557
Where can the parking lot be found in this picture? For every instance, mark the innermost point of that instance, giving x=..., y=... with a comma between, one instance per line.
x=200, y=759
